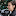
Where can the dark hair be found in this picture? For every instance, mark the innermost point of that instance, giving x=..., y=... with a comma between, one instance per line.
x=11, y=2
x=15, y=6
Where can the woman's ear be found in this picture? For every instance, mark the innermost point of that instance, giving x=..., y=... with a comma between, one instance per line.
x=14, y=6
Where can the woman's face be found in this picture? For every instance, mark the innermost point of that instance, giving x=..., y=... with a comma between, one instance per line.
x=10, y=7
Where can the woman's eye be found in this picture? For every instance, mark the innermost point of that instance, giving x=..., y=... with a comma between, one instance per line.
x=9, y=5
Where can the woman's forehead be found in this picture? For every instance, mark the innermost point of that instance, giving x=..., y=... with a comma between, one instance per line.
x=9, y=3
x=12, y=2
